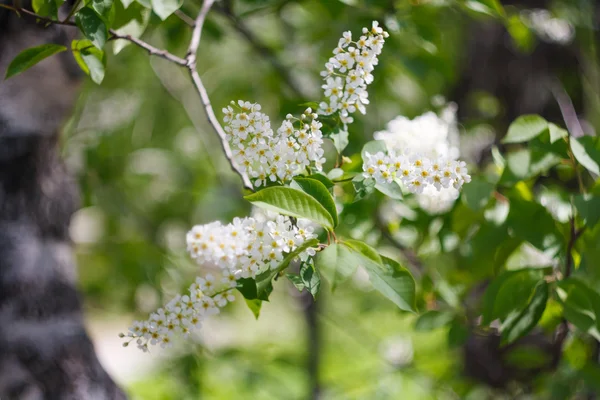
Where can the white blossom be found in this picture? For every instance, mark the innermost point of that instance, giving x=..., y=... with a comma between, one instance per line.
x=241, y=249
x=269, y=156
x=348, y=72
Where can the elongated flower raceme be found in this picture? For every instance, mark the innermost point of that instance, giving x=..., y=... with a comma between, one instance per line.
x=349, y=71
x=415, y=171
x=269, y=156
x=241, y=249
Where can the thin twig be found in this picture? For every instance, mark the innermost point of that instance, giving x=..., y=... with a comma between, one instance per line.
x=153, y=51
x=189, y=63
x=210, y=113
x=411, y=256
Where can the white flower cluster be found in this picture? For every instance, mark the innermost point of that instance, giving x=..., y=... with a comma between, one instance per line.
x=415, y=171
x=247, y=246
x=273, y=157
x=183, y=313
x=349, y=71
x=435, y=138
x=548, y=28
x=241, y=249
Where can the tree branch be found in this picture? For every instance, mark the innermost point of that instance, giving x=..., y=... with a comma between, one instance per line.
x=210, y=114
x=189, y=63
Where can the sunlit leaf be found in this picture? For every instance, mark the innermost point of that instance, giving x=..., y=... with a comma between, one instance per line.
x=30, y=57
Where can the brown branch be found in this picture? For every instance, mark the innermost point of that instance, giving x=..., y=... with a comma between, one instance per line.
x=189, y=63
x=210, y=113
x=410, y=255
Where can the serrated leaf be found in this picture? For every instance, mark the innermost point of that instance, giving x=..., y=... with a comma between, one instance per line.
x=583, y=157
x=30, y=57
x=91, y=60
x=164, y=8
x=254, y=306
x=318, y=191
x=92, y=26
x=520, y=323
x=292, y=202
x=525, y=128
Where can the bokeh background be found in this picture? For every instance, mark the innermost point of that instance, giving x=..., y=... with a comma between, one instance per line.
x=150, y=167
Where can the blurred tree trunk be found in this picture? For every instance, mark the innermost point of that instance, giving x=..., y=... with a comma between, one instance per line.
x=45, y=352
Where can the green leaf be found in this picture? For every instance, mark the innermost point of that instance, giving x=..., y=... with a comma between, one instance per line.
x=583, y=157
x=292, y=202
x=92, y=26
x=556, y=133
x=102, y=7
x=91, y=60
x=499, y=301
x=432, y=320
x=518, y=324
x=254, y=306
x=310, y=278
x=323, y=179
x=30, y=57
x=488, y=7
x=373, y=147
x=588, y=207
x=363, y=186
x=247, y=287
x=47, y=8
x=296, y=281
x=394, y=282
x=525, y=128
x=365, y=250
x=131, y=21
x=391, y=190
x=477, y=193
x=340, y=140
x=164, y=8
x=532, y=222
x=581, y=305
x=337, y=263
x=318, y=191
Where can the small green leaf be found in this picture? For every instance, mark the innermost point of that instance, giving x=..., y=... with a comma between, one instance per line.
x=30, y=57
x=337, y=263
x=340, y=140
x=497, y=305
x=91, y=60
x=581, y=305
x=432, y=320
x=47, y=8
x=317, y=190
x=296, y=281
x=588, y=207
x=583, y=157
x=102, y=7
x=363, y=186
x=164, y=8
x=247, y=287
x=292, y=202
x=556, y=133
x=323, y=179
x=365, y=250
x=254, y=306
x=520, y=323
x=310, y=278
x=92, y=26
x=525, y=128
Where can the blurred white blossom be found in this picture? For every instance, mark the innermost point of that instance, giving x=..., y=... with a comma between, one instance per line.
x=547, y=27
